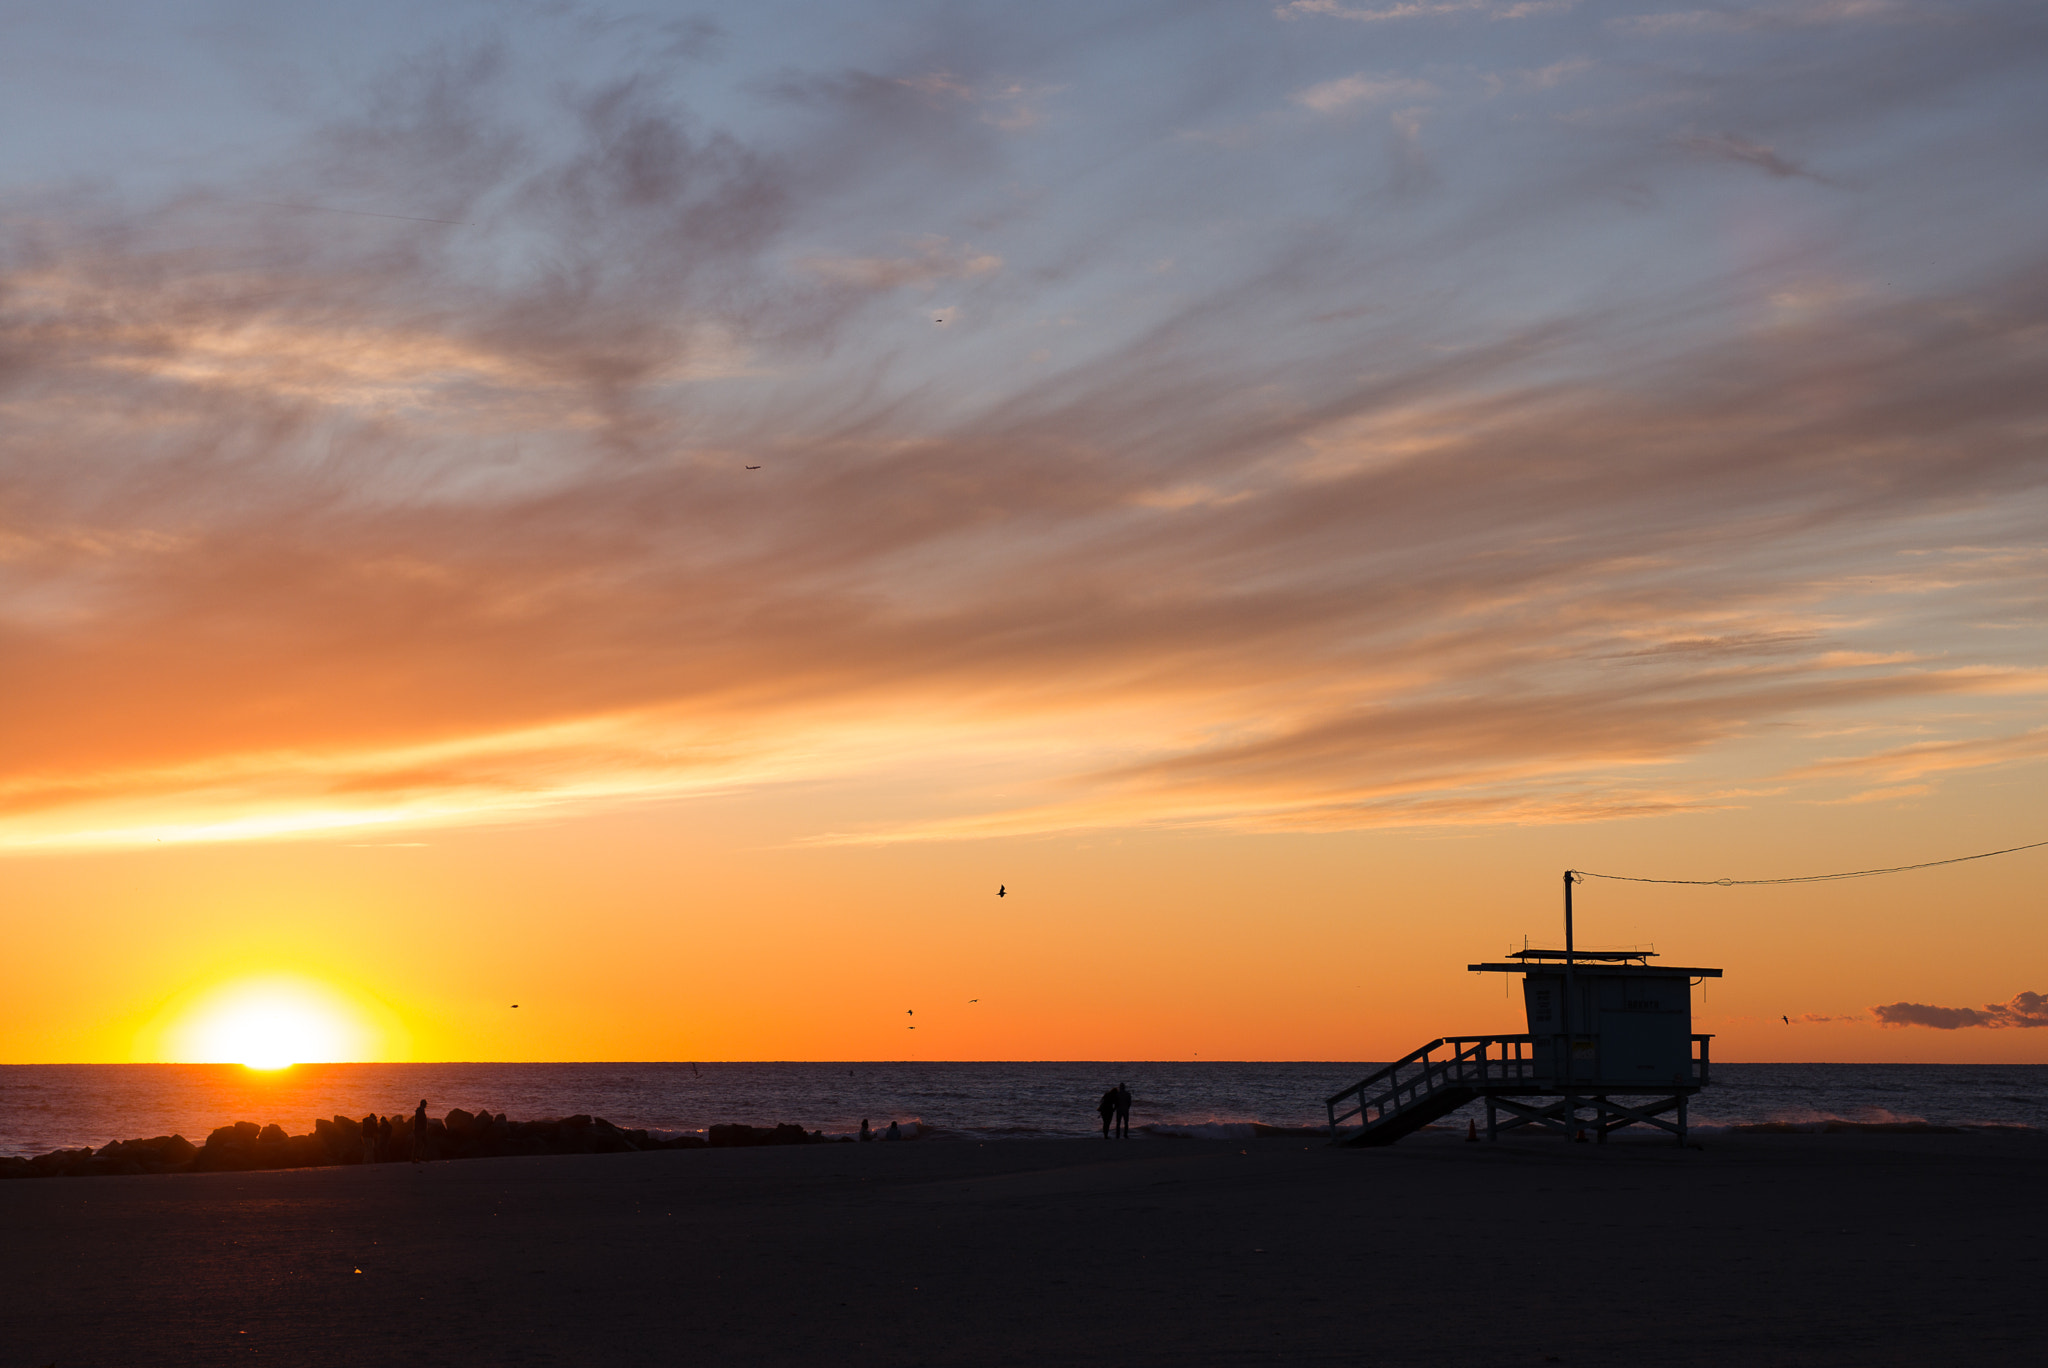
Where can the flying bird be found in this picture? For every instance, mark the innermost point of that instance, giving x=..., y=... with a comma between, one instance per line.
x=1786, y=1020
x=974, y=999
x=753, y=467
x=1002, y=890
x=515, y=1006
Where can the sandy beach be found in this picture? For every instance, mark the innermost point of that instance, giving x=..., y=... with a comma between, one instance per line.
x=1756, y=1249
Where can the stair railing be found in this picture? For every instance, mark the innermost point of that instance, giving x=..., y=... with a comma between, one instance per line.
x=1389, y=1091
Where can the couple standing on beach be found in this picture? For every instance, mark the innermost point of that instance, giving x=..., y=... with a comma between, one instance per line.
x=1115, y=1107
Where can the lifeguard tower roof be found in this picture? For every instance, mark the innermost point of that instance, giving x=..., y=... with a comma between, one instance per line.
x=1637, y=962
x=1584, y=954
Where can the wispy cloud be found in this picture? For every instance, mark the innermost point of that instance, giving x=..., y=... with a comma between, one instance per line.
x=1902, y=764
x=930, y=260
x=1424, y=9
x=1785, y=14
x=1728, y=147
x=1346, y=91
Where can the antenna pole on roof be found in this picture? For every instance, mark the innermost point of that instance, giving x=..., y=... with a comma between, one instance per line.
x=1570, y=981
x=1568, y=917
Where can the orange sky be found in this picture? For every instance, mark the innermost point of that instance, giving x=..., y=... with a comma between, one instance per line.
x=657, y=523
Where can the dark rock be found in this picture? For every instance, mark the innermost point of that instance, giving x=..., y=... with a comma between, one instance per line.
x=175, y=1151
x=721, y=1137
x=113, y=1162
x=344, y=1139
x=605, y=1138
x=339, y=1140
x=306, y=1151
x=241, y=1133
x=62, y=1163
x=164, y=1154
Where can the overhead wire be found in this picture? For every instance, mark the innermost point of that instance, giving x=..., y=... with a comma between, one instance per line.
x=1811, y=878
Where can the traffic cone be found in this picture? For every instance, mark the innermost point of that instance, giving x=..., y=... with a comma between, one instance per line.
x=1471, y=1131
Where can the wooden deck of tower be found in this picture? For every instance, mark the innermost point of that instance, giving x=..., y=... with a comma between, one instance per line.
x=1610, y=1034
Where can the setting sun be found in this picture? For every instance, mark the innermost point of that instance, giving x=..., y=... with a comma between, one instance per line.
x=272, y=1024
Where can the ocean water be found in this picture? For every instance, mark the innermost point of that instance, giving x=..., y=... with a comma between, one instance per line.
x=51, y=1106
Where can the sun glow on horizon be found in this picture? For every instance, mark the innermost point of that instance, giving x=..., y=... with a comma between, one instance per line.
x=271, y=1024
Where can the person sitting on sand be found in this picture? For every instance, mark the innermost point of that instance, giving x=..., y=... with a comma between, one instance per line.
x=419, y=1133
x=895, y=1132
x=865, y=1134
x=1123, y=1111
x=1107, y=1109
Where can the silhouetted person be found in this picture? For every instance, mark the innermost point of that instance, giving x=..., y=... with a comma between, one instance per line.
x=1123, y=1111
x=384, y=1139
x=1107, y=1109
x=894, y=1133
x=370, y=1138
x=865, y=1134
x=419, y=1133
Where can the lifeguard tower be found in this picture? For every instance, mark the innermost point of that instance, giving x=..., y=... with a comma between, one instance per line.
x=1604, y=1026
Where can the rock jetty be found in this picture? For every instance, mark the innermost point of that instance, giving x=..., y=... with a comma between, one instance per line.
x=481, y=1134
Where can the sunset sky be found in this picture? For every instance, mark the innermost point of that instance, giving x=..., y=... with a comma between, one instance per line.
x=654, y=513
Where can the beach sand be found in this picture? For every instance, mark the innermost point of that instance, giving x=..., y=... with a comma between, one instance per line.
x=1862, y=1249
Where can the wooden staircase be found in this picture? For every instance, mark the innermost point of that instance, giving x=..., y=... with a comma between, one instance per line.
x=1425, y=1085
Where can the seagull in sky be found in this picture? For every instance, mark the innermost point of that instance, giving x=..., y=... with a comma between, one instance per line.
x=1002, y=890
x=753, y=467
x=974, y=999
x=515, y=1006
x=1786, y=1020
